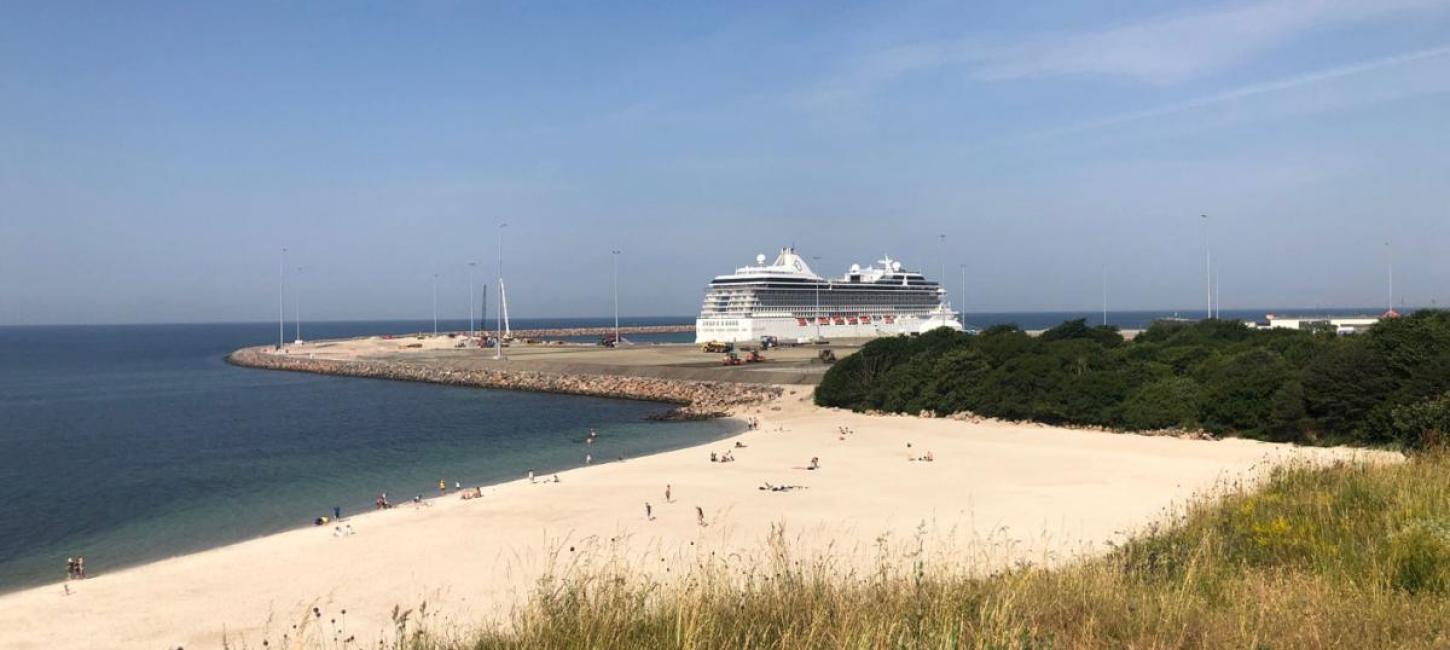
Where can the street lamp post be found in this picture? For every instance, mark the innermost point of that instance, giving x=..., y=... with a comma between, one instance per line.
x=962, y=308
x=1389, y=278
x=817, y=319
x=615, y=256
x=469, y=290
x=282, y=300
x=941, y=256
x=297, y=304
x=1207, y=266
x=1105, y=295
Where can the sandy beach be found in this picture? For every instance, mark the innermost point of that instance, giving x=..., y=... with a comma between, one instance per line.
x=1024, y=491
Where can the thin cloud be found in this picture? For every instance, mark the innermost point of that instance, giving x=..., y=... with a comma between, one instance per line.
x=1265, y=88
x=1161, y=50
x=1172, y=49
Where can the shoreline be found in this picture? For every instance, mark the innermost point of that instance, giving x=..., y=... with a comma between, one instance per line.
x=737, y=427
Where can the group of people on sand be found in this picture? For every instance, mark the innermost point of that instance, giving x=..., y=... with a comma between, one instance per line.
x=925, y=458
x=752, y=423
x=649, y=509
x=727, y=457
x=75, y=568
x=443, y=486
x=381, y=503
x=767, y=486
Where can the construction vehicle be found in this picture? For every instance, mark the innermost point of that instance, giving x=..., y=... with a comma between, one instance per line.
x=754, y=357
x=731, y=359
x=716, y=347
x=826, y=356
x=767, y=342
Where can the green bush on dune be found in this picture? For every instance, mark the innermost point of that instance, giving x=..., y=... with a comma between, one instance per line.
x=1390, y=385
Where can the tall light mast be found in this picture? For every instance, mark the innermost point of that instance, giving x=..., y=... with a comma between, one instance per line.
x=1389, y=278
x=1105, y=294
x=282, y=299
x=941, y=254
x=962, y=308
x=297, y=304
x=1207, y=266
x=615, y=256
x=469, y=290
x=817, y=319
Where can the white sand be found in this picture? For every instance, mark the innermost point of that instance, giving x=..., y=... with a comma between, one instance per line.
x=1054, y=492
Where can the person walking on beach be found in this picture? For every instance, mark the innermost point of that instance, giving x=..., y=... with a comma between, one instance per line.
x=667, y=494
x=70, y=568
x=81, y=567
x=531, y=476
x=588, y=459
x=700, y=515
x=442, y=486
x=649, y=512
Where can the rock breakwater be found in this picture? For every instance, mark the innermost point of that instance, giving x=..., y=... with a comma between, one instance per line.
x=696, y=399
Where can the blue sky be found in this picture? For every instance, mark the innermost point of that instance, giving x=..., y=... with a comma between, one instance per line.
x=155, y=157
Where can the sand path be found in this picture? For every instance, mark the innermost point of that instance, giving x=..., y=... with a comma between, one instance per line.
x=1035, y=492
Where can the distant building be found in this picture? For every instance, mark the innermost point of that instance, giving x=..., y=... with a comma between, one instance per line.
x=1336, y=324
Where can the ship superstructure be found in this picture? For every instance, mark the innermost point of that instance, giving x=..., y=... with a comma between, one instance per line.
x=788, y=300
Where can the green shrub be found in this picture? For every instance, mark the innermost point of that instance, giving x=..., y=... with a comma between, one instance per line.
x=1217, y=375
x=1171, y=402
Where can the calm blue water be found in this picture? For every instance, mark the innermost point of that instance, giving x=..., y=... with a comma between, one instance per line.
x=132, y=443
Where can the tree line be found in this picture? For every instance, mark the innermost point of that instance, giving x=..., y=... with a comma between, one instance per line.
x=1390, y=385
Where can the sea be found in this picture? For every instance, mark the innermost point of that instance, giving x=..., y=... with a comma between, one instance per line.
x=132, y=443
x=127, y=444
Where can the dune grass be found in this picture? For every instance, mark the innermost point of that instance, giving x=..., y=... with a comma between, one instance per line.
x=1350, y=555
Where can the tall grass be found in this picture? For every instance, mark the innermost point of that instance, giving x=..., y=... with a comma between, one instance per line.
x=1348, y=556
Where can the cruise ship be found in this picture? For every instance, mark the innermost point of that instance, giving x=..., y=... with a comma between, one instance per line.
x=787, y=300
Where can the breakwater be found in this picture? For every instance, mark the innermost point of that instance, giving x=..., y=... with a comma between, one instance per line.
x=604, y=331
x=696, y=399
x=582, y=331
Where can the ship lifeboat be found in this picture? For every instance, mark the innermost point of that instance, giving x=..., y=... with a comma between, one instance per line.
x=890, y=319
x=840, y=321
x=801, y=322
x=853, y=321
x=823, y=321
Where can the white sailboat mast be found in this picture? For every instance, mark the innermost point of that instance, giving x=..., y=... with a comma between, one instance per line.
x=503, y=295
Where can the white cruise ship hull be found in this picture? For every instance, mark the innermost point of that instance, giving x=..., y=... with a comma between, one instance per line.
x=750, y=329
